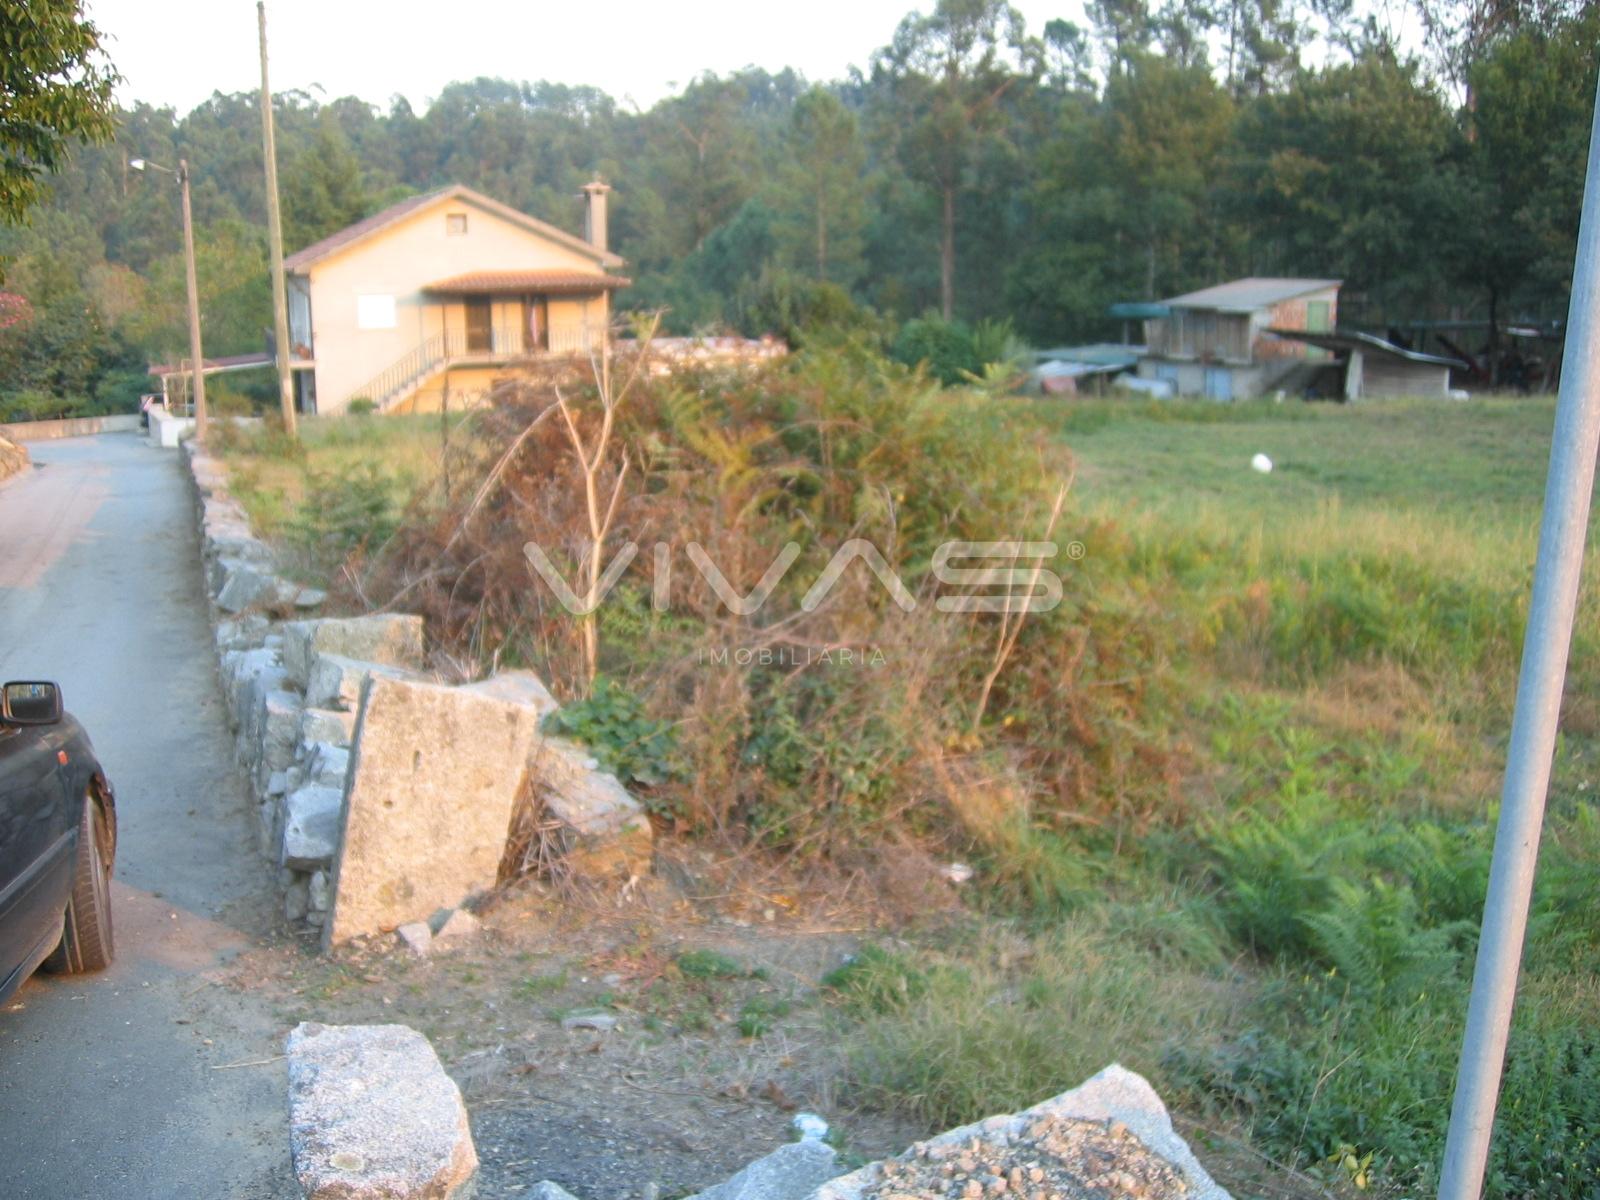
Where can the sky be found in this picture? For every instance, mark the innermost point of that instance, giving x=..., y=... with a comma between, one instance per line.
x=177, y=52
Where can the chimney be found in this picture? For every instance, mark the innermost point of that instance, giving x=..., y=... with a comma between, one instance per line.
x=594, y=213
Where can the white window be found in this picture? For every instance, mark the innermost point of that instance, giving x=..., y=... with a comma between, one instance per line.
x=375, y=311
x=455, y=224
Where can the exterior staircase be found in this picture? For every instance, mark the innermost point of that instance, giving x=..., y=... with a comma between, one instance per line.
x=414, y=369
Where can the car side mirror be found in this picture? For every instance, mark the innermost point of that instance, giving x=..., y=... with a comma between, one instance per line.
x=30, y=703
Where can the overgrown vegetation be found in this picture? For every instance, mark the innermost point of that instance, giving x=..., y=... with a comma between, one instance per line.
x=1230, y=802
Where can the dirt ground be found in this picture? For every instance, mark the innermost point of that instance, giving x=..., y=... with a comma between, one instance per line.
x=717, y=1033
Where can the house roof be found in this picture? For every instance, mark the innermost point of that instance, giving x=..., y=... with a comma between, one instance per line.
x=504, y=282
x=1248, y=295
x=302, y=260
x=1348, y=339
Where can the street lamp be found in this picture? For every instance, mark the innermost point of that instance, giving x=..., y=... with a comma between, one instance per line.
x=197, y=363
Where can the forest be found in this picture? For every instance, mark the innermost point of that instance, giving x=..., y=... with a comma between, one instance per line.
x=973, y=171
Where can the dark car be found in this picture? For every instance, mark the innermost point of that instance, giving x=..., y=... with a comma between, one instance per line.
x=58, y=835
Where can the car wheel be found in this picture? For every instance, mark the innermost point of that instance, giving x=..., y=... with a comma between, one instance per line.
x=87, y=943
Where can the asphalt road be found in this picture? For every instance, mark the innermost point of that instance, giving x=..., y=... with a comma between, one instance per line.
x=129, y=1083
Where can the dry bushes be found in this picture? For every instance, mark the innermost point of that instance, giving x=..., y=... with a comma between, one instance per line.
x=807, y=722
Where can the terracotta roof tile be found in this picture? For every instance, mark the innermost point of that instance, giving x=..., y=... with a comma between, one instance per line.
x=558, y=282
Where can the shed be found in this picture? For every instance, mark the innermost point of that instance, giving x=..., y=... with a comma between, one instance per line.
x=1374, y=367
x=1214, y=342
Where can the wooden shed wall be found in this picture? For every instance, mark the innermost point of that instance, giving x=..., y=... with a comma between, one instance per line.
x=1384, y=375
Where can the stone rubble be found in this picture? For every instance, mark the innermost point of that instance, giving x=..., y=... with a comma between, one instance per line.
x=1109, y=1137
x=416, y=937
x=458, y=925
x=293, y=688
x=790, y=1172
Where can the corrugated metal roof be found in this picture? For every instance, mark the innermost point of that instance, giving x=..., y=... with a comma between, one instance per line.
x=504, y=282
x=1248, y=295
x=350, y=234
x=1138, y=310
x=1101, y=354
x=1347, y=340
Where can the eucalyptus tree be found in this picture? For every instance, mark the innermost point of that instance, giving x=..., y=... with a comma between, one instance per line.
x=944, y=78
x=821, y=185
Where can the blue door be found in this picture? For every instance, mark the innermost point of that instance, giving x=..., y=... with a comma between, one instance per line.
x=1219, y=383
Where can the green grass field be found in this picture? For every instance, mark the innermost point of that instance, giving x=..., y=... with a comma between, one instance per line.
x=1289, y=957
x=1261, y=880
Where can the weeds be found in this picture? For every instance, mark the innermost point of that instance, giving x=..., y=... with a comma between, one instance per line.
x=709, y=964
x=1230, y=803
x=611, y=721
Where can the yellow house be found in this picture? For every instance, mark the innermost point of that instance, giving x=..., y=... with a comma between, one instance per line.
x=430, y=301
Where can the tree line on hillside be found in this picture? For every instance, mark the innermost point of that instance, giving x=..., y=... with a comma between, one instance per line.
x=973, y=169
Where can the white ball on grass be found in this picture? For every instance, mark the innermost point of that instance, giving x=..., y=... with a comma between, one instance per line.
x=1262, y=463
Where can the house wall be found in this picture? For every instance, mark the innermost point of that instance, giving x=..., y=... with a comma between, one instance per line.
x=1293, y=314
x=399, y=262
x=459, y=388
x=1218, y=381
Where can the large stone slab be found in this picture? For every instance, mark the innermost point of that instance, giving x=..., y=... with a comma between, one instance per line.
x=518, y=687
x=1116, y=1096
x=605, y=828
x=373, y=1116
x=393, y=639
x=434, y=774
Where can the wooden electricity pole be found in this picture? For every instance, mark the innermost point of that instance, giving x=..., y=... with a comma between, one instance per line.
x=280, y=307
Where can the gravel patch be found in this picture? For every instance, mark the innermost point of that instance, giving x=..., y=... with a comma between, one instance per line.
x=1053, y=1158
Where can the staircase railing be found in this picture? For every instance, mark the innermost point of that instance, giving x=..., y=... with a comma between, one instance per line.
x=401, y=375
x=411, y=369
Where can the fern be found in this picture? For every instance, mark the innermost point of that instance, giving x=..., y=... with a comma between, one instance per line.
x=1371, y=935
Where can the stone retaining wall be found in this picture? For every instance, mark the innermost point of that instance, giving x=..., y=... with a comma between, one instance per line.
x=382, y=794
x=66, y=427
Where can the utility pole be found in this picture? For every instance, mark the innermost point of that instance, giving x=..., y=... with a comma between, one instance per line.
x=197, y=360
x=1557, y=573
x=280, y=306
